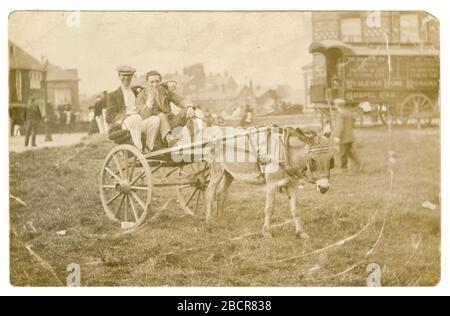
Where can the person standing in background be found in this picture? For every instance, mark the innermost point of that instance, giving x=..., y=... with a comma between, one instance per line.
x=345, y=136
x=16, y=115
x=48, y=120
x=104, y=105
x=93, y=126
x=247, y=117
x=100, y=112
x=69, y=117
x=32, y=117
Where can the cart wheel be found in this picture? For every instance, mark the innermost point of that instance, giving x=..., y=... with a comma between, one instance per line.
x=192, y=197
x=413, y=105
x=126, y=186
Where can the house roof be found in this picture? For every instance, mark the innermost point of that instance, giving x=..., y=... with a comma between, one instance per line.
x=20, y=59
x=56, y=73
x=211, y=95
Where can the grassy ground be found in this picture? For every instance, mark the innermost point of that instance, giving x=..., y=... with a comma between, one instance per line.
x=60, y=190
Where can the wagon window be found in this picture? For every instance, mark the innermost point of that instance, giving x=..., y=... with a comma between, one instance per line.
x=351, y=30
x=409, y=28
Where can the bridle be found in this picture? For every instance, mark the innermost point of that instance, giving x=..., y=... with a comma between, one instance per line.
x=287, y=164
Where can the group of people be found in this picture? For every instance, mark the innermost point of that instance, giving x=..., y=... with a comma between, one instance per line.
x=147, y=111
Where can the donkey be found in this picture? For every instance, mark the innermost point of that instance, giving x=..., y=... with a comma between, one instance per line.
x=304, y=156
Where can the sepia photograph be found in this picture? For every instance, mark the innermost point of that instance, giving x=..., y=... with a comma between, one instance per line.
x=224, y=149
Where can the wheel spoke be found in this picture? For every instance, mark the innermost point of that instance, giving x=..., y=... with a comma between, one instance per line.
x=114, y=198
x=139, y=188
x=108, y=186
x=133, y=207
x=185, y=187
x=120, y=206
x=136, y=180
x=204, y=201
x=132, y=169
x=126, y=208
x=113, y=174
x=125, y=156
x=197, y=203
x=423, y=104
x=116, y=161
x=192, y=196
x=134, y=195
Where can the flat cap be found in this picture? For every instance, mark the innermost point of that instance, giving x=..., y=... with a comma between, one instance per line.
x=126, y=70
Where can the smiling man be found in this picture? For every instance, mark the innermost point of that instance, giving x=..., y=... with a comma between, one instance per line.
x=156, y=99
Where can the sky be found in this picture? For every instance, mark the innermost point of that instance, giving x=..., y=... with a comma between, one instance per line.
x=267, y=47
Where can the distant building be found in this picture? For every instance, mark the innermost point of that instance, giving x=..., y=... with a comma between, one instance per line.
x=63, y=87
x=246, y=96
x=25, y=80
x=215, y=91
x=219, y=92
x=25, y=76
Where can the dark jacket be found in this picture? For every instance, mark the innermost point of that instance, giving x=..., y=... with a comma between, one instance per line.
x=345, y=122
x=115, y=109
x=162, y=101
x=99, y=106
x=32, y=112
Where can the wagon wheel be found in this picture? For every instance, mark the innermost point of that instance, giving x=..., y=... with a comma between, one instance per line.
x=192, y=197
x=413, y=105
x=126, y=186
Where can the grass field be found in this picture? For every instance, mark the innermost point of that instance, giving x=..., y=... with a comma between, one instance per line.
x=370, y=224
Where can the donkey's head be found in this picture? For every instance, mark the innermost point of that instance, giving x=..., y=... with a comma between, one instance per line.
x=314, y=155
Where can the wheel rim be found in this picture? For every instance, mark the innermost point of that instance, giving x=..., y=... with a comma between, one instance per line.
x=126, y=186
x=192, y=197
x=413, y=105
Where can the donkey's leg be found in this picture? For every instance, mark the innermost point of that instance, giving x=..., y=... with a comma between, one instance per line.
x=292, y=194
x=268, y=211
x=223, y=192
x=211, y=194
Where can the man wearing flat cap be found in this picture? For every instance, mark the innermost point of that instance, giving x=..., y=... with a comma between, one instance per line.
x=121, y=109
x=155, y=100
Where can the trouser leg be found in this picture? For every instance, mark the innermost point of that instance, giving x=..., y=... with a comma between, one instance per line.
x=34, y=126
x=27, y=132
x=16, y=130
x=181, y=120
x=133, y=123
x=151, y=127
x=344, y=155
x=165, y=126
x=178, y=120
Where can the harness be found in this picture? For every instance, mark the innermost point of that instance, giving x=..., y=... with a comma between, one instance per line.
x=286, y=162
